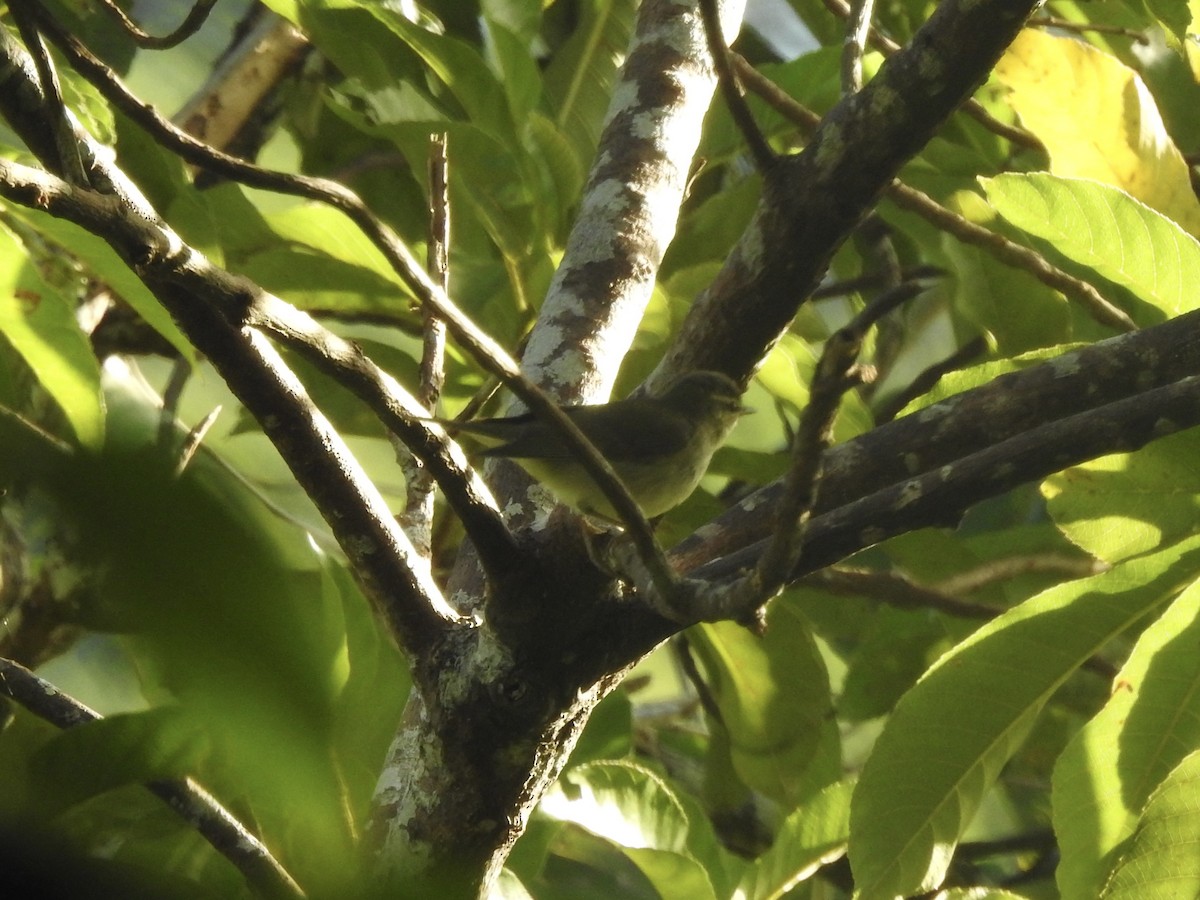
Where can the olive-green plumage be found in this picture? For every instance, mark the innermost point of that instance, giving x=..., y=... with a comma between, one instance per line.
x=659, y=445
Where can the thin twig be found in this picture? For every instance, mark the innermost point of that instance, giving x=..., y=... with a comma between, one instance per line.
x=1009, y=567
x=831, y=380
x=898, y=591
x=873, y=281
x=687, y=662
x=1006, y=251
x=764, y=157
x=928, y=378
x=181, y=371
x=214, y=823
x=417, y=518
x=1012, y=254
x=855, y=45
x=70, y=166
x=193, y=439
x=195, y=19
x=1138, y=37
x=745, y=598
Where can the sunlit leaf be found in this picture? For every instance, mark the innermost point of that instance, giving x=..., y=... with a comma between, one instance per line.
x=1111, y=767
x=111, y=269
x=459, y=66
x=634, y=809
x=1019, y=311
x=580, y=77
x=1122, y=505
x=39, y=323
x=773, y=694
x=1160, y=861
x=948, y=738
x=1109, y=231
x=814, y=835
x=1126, y=144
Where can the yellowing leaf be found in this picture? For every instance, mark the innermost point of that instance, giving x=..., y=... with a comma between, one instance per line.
x=1110, y=131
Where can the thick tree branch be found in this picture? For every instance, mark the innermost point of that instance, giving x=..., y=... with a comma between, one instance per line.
x=939, y=497
x=1121, y=367
x=972, y=107
x=227, y=835
x=813, y=201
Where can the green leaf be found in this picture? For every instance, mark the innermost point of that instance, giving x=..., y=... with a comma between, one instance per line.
x=949, y=737
x=1160, y=862
x=560, y=174
x=898, y=646
x=580, y=77
x=509, y=887
x=773, y=694
x=632, y=807
x=1111, y=767
x=1110, y=131
x=976, y=376
x=110, y=269
x=520, y=78
x=1173, y=15
x=1129, y=503
x=459, y=66
x=39, y=323
x=814, y=835
x=1019, y=311
x=130, y=748
x=608, y=733
x=1106, y=230
x=163, y=178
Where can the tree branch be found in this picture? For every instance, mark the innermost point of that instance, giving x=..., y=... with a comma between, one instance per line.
x=939, y=497
x=227, y=835
x=1121, y=367
x=1001, y=248
x=179, y=277
x=192, y=23
x=813, y=201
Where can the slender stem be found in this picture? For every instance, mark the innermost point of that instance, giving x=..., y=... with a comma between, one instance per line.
x=855, y=45
x=192, y=23
x=760, y=150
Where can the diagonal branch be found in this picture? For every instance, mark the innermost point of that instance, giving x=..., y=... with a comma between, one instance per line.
x=197, y=294
x=812, y=201
x=227, y=835
x=939, y=497
x=192, y=23
x=1001, y=248
x=1088, y=378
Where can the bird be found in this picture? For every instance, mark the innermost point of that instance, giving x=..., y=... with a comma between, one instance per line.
x=659, y=444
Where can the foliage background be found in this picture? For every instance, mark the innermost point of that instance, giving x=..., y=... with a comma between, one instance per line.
x=211, y=620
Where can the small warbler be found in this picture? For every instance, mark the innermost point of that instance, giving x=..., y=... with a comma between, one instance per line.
x=660, y=445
